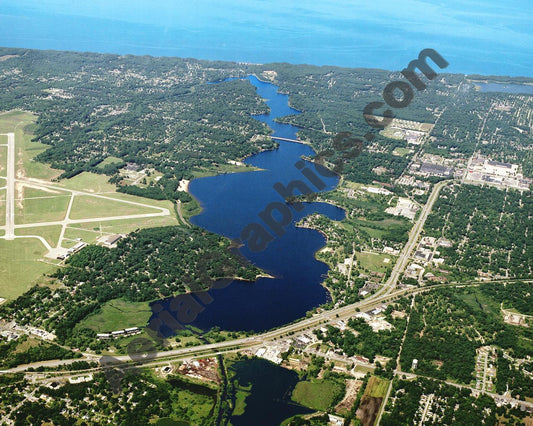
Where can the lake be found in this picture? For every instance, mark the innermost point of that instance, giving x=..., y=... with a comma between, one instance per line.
x=232, y=201
x=490, y=37
x=269, y=402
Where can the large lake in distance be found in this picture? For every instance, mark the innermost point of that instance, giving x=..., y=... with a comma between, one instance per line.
x=232, y=201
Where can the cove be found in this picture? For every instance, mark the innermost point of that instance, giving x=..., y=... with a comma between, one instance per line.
x=231, y=201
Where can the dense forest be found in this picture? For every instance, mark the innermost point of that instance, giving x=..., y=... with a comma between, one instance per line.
x=447, y=326
x=490, y=230
x=155, y=112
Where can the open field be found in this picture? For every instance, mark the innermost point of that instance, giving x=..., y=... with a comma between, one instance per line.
x=3, y=159
x=109, y=160
x=74, y=231
x=2, y=204
x=402, y=151
x=375, y=262
x=44, y=208
x=88, y=182
x=375, y=391
x=49, y=233
x=479, y=301
x=21, y=266
x=127, y=197
x=317, y=394
x=224, y=168
x=125, y=226
x=118, y=314
x=88, y=207
x=376, y=387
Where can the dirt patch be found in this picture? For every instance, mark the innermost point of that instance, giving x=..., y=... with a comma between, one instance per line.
x=368, y=410
x=19, y=191
x=352, y=388
x=6, y=57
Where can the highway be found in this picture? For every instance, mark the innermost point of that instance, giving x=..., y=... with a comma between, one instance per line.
x=405, y=254
x=254, y=342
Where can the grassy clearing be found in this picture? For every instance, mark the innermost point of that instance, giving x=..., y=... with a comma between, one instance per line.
x=109, y=160
x=198, y=407
x=72, y=232
x=2, y=204
x=373, y=233
x=141, y=200
x=375, y=262
x=477, y=298
x=240, y=402
x=363, y=369
x=222, y=169
x=26, y=150
x=35, y=210
x=86, y=207
x=89, y=182
x=49, y=233
x=21, y=266
x=127, y=225
x=317, y=394
x=402, y=151
x=3, y=161
x=118, y=314
x=376, y=387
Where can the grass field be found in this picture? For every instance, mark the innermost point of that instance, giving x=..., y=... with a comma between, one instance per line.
x=86, y=207
x=109, y=160
x=363, y=369
x=375, y=262
x=487, y=304
x=88, y=182
x=21, y=266
x=2, y=204
x=34, y=210
x=3, y=162
x=127, y=226
x=224, y=168
x=74, y=231
x=374, y=233
x=316, y=394
x=127, y=197
x=198, y=407
x=240, y=402
x=402, y=151
x=118, y=314
x=376, y=387
x=49, y=233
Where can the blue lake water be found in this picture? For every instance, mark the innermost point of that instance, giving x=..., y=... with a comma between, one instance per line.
x=506, y=88
x=490, y=37
x=232, y=201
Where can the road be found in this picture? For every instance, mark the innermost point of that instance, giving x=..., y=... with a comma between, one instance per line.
x=405, y=254
x=254, y=342
x=10, y=225
x=10, y=188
